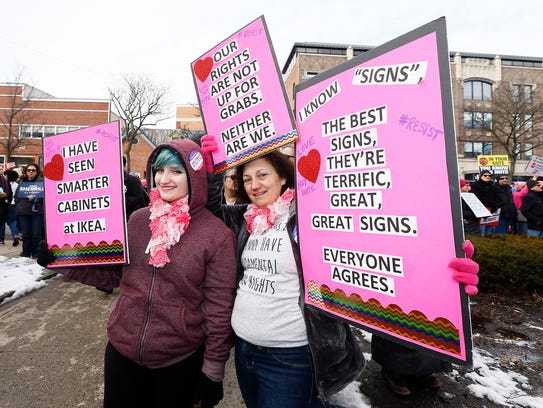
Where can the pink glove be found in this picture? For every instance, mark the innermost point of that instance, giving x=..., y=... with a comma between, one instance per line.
x=466, y=269
x=209, y=145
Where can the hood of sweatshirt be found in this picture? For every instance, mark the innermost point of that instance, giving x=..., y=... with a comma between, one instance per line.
x=193, y=160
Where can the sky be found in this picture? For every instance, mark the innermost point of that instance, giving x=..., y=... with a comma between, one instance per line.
x=489, y=381
x=79, y=49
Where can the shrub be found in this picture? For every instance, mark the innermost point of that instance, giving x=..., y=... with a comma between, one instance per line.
x=509, y=263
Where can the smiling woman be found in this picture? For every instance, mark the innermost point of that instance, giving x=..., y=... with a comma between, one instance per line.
x=169, y=329
x=170, y=176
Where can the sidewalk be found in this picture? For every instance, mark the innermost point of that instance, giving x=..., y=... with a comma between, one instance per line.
x=52, y=343
x=8, y=249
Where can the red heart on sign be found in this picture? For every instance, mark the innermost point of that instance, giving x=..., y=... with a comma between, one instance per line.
x=310, y=165
x=54, y=170
x=202, y=68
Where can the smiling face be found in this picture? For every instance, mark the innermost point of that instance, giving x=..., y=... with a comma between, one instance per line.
x=262, y=183
x=171, y=182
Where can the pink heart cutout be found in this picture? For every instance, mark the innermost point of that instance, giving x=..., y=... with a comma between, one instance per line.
x=309, y=166
x=202, y=68
x=54, y=170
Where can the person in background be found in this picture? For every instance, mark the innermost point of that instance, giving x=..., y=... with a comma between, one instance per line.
x=506, y=204
x=471, y=222
x=169, y=329
x=532, y=208
x=230, y=187
x=134, y=194
x=30, y=212
x=485, y=192
x=6, y=195
x=286, y=354
x=12, y=177
x=520, y=191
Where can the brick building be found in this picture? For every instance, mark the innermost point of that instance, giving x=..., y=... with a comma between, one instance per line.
x=474, y=79
x=188, y=117
x=29, y=114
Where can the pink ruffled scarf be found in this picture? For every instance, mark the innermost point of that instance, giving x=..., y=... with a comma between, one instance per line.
x=260, y=220
x=168, y=222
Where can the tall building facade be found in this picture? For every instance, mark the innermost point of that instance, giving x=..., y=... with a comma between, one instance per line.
x=474, y=78
x=27, y=114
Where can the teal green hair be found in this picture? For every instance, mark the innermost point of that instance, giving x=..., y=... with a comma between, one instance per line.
x=167, y=157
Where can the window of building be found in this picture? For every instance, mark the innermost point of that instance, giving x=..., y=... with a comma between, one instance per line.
x=478, y=120
x=478, y=90
x=522, y=91
x=522, y=123
x=528, y=93
x=528, y=122
x=25, y=131
x=527, y=151
x=49, y=131
x=520, y=63
x=474, y=149
x=310, y=74
x=39, y=131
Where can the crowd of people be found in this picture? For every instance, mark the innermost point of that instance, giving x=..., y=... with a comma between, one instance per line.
x=518, y=205
x=194, y=289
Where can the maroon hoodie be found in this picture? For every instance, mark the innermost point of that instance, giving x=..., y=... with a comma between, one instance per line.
x=163, y=315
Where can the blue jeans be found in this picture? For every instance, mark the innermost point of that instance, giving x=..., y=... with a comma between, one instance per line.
x=3, y=220
x=487, y=230
x=535, y=233
x=271, y=377
x=12, y=220
x=503, y=226
x=32, y=229
x=522, y=227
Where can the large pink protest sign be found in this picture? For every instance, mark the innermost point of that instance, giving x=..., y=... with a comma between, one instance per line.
x=84, y=196
x=378, y=203
x=242, y=97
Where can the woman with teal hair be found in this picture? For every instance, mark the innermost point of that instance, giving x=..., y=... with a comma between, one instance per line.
x=169, y=329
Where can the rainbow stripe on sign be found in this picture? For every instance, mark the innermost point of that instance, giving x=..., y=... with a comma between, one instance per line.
x=88, y=254
x=256, y=151
x=439, y=333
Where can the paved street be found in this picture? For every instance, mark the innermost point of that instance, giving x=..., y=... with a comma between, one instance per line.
x=52, y=343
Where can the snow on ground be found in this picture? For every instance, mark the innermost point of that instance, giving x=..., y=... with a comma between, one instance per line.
x=20, y=275
x=505, y=388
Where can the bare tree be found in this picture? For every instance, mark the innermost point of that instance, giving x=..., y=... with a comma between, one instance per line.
x=517, y=121
x=15, y=114
x=139, y=103
x=198, y=112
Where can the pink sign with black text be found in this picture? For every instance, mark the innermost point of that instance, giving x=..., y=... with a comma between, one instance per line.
x=84, y=196
x=377, y=193
x=242, y=97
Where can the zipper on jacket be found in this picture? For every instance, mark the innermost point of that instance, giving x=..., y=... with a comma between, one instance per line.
x=148, y=316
